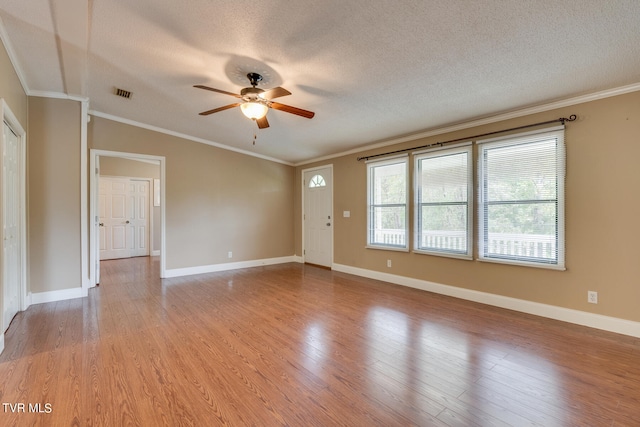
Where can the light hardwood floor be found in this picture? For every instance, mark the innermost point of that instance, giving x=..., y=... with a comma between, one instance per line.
x=302, y=346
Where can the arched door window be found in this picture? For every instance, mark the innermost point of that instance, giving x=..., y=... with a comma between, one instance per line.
x=317, y=181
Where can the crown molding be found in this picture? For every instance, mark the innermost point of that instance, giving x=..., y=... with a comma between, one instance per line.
x=184, y=136
x=4, y=37
x=57, y=95
x=484, y=121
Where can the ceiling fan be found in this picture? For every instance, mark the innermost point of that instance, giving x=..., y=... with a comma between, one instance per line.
x=256, y=102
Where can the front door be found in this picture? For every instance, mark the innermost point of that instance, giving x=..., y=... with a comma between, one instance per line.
x=11, y=225
x=318, y=216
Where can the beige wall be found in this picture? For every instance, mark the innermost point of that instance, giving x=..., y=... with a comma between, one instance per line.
x=602, y=212
x=11, y=89
x=117, y=166
x=216, y=200
x=53, y=193
x=15, y=97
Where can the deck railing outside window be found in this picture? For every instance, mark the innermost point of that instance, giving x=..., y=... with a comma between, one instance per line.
x=519, y=245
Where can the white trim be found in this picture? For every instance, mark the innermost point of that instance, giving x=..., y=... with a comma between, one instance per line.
x=581, y=99
x=188, y=271
x=58, y=95
x=376, y=163
x=151, y=162
x=597, y=321
x=185, y=136
x=53, y=296
x=465, y=148
x=155, y=253
x=508, y=261
x=1, y=343
x=6, y=114
x=93, y=190
x=163, y=218
x=608, y=93
x=387, y=248
x=84, y=211
x=333, y=217
x=543, y=135
x=443, y=254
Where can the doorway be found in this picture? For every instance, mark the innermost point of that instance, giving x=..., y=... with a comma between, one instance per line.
x=317, y=217
x=155, y=196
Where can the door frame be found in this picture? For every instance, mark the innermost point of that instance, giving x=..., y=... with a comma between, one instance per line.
x=7, y=116
x=333, y=217
x=94, y=249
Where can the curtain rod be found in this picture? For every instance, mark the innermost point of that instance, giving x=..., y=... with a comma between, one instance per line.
x=561, y=120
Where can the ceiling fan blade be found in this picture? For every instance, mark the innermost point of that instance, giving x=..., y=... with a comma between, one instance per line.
x=217, y=90
x=292, y=110
x=215, y=110
x=263, y=122
x=276, y=92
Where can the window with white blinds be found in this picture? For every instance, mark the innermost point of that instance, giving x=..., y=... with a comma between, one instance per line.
x=388, y=195
x=521, y=199
x=443, y=201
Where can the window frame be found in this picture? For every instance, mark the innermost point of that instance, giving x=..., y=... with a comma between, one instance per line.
x=556, y=133
x=371, y=166
x=467, y=148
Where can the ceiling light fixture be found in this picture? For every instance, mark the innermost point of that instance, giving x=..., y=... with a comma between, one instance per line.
x=254, y=102
x=254, y=110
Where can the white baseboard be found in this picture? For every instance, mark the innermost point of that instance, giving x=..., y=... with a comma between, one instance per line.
x=598, y=321
x=155, y=253
x=52, y=296
x=188, y=271
x=1, y=343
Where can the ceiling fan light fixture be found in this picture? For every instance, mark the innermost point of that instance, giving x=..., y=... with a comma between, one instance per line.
x=254, y=110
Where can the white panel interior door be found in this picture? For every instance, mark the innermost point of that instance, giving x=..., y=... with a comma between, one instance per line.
x=123, y=206
x=139, y=197
x=318, y=219
x=11, y=244
x=115, y=239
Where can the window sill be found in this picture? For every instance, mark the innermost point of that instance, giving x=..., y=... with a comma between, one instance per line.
x=523, y=264
x=444, y=254
x=387, y=248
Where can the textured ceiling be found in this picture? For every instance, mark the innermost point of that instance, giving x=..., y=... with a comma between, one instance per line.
x=370, y=70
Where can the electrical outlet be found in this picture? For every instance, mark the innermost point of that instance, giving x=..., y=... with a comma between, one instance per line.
x=592, y=297
x=230, y=254
x=389, y=263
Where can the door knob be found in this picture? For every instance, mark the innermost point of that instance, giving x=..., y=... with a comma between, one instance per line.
x=127, y=222
x=101, y=224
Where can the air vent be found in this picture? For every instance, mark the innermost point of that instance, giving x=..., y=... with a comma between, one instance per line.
x=123, y=93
